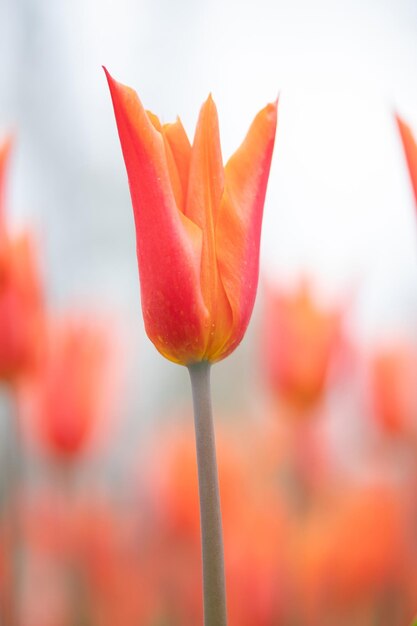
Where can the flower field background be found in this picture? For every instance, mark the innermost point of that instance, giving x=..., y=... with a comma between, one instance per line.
x=317, y=473
x=316, y=412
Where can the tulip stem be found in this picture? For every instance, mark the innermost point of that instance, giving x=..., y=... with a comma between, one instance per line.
x=214, y=592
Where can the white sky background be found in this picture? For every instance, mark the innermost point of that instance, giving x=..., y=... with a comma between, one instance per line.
x=339, y=204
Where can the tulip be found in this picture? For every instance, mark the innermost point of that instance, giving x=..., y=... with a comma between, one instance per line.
x=198, y=225
x=392, y=386
x=410, y=150
x=21, y=301
x=300, y=340
x=69, y=395
x=21, y=308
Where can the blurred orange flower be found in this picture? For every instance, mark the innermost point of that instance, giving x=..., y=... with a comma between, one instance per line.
x=299, y=341
x=353, y=556
x=198, y=225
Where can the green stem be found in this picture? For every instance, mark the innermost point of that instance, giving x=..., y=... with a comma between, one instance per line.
x=214, y=591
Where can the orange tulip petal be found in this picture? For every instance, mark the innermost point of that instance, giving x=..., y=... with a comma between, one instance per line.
x=206, y=169
x=168, y=245
x=240, y=217
x=410, y=149
x=176, y=182
x=205, y=191
x=154, y=119
x=174, y=176
x=180, y=147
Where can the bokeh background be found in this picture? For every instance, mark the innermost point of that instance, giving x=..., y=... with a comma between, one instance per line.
x=338, y=206
x=339, y=212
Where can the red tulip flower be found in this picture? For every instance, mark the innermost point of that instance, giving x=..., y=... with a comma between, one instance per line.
x=69, y=396
x=198, y=225
x=21, y=295
x=410, y=150
x=21, y=307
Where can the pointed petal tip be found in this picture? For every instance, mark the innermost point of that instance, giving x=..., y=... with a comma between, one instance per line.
x=273, y=106
x=208, y=117
x=397, y=116
x=402, y=123
x=169, y=125
x=112, y=82
x=209, y=103
x=403, y=127
x=270, y=111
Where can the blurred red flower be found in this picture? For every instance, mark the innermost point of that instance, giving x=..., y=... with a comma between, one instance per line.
x=21, y=294
x=68, y=400
x=21, y=307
